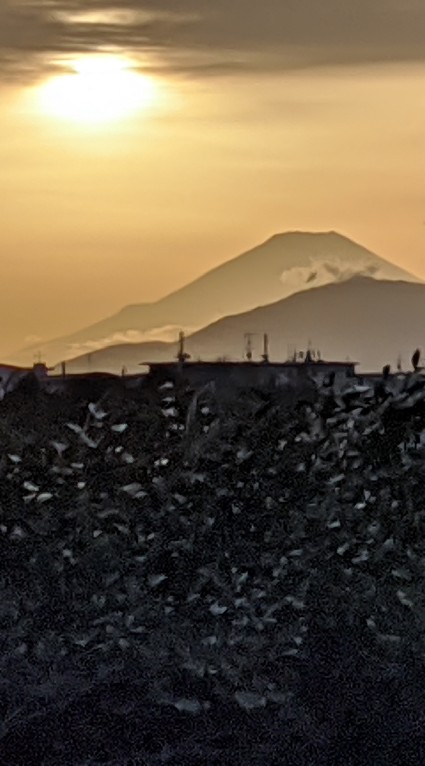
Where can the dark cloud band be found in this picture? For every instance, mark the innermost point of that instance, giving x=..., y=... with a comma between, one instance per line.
x=201, y=37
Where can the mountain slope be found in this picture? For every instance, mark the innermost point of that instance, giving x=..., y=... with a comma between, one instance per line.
x=281, y=266
x=371, y=321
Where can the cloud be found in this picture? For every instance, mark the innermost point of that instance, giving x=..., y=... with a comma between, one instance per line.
x=319, y=273
x=33, y=339
x=164, y=334
x=212, y=37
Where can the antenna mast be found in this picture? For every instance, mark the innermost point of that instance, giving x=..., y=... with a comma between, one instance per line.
x=309, y=355
x=182, y=355
x=248, y=346
x=265, y=354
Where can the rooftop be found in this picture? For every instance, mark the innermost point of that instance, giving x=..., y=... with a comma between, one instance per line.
x=246, y=363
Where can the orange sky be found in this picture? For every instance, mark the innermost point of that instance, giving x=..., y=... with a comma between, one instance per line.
x=98, y=215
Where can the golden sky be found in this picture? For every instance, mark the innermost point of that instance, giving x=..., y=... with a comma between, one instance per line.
x=141, y=145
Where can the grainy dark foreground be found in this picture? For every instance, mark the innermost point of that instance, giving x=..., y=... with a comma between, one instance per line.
x=191, y=582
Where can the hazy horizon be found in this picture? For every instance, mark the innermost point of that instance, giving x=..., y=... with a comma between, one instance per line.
x=143, y=146
x=77, y=321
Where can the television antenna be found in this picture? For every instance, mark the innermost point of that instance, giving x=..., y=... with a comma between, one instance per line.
x=292, y=352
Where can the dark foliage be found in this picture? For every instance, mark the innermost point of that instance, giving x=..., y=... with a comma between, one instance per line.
x=192, y=581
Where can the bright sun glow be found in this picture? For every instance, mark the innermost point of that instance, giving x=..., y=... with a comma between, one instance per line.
x=101, y=89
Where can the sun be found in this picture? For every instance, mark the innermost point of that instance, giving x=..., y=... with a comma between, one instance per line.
x=98, y=89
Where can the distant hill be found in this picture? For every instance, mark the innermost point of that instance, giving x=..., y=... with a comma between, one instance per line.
x=370, y=321
x=281, y=266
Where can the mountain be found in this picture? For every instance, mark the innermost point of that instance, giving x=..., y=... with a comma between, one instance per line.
x=281, y=266
x=370, y=321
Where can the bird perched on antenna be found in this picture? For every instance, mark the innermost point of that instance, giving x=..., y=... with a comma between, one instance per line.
x=415, y=381
x=415, y=359
x=380, y=389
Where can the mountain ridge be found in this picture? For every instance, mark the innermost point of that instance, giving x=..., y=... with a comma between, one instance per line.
x=370, y=320
x=276, y=268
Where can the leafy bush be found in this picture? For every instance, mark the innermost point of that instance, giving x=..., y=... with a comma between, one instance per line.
x=190, y=581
